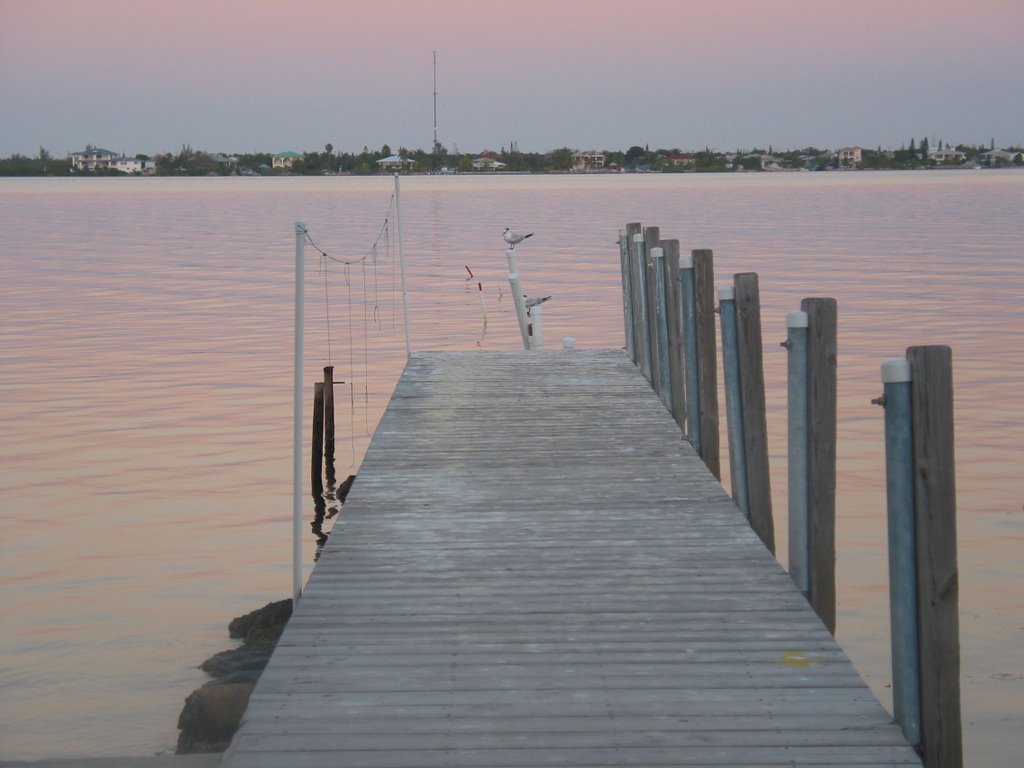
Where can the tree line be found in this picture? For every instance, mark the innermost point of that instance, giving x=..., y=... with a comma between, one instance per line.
x=192, y=162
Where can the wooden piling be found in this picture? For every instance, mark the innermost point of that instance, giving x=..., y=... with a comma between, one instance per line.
x=316, y=465
x=755, y=424
x=675, y=336
x=329, y=410
x=661, y=321
x=821, y=455
x=931, y=388
x=704, y=280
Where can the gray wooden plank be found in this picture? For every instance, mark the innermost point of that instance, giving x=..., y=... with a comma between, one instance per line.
x=533, y=568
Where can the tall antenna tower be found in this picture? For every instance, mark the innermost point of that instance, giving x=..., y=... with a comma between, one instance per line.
x=436, y=147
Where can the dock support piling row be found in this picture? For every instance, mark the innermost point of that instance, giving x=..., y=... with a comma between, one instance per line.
x=667, y=300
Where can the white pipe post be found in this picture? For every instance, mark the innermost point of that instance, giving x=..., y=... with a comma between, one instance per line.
x=899, y=486
x=300, y=269
x=483, y=306
x=520, y=302
x=691, y=374
x=401, y=262
x=643, y=333
x=513, y=262
x=797, y=417
x=535, y=327
x=627, y=293
x=733, y=401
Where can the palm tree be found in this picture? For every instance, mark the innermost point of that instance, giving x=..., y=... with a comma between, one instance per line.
x=330, y=149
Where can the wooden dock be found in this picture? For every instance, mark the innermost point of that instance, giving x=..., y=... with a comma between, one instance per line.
x=534, y=569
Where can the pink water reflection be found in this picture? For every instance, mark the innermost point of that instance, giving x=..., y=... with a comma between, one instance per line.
x=146, y=358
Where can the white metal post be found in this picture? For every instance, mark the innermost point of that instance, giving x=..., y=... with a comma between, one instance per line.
x=300, y=267
x=535, y=327
x=513, y=262
x=733, y=401
x=644, y=332
x=691, y=376
x=899, y=485
x=797, y=418
x=627, y=293
x=520, y=302
x=401, y=262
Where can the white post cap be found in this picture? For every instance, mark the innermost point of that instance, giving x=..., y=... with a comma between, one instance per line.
x=796, y=319
x=657, y=253
x=638, y=238
x=513, y=276
x=895, y=370
x=686, y=261
x=726, y=293
x=569, y=342
x=622, y=233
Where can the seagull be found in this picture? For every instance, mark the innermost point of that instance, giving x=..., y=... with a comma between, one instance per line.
x=513, y=238
x=535, y=302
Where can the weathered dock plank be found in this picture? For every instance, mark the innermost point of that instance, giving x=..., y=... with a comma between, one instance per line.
x=534, y=569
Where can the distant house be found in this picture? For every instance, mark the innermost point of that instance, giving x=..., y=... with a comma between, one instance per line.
x=135, y=165
x=227, y=161
x=394, y=163
x=588, y=161
x=850, y=157
x=488, y=161
x=286, y=159
x=685, y=160
x=93, y=158
x=946, y=156
x=999, y=157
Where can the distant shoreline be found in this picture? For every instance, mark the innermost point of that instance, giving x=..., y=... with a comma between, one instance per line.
x=499, y=174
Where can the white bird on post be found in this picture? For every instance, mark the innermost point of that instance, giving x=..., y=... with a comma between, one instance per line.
x=513, y=238
x=535, y=302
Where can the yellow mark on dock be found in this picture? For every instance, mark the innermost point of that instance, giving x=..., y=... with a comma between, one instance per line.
x=797, y=659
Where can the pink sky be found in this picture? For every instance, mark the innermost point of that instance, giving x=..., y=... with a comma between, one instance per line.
x=243, y=75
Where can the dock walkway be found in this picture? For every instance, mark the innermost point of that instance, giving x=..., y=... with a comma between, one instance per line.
x=534, y=569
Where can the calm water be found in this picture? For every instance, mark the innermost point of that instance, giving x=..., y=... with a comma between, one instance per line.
x=146, y=375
